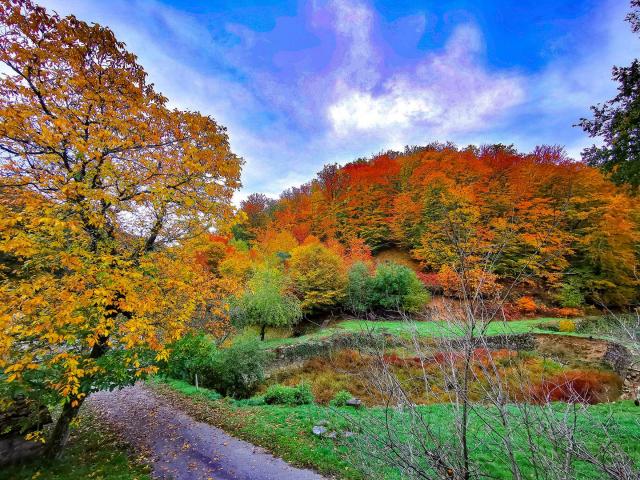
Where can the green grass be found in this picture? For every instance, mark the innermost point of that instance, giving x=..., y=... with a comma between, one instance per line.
x=286, y=431
x=423, y=329
x=91, y=453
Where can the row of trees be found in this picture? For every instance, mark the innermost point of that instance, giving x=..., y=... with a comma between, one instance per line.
x=311, y=279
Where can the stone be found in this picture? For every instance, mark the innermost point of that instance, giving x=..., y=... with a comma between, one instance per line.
x=354, y=402
x=318, y=430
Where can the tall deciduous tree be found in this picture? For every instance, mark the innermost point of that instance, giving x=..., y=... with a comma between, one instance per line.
x=103, y=190
x=318, y=275
x=617, y=122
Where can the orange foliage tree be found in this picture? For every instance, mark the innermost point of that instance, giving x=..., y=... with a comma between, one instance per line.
x=101, y=185
x=537, y=219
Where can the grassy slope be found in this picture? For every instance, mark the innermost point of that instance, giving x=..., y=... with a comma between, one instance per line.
x=423, y=329
x=90, y=454
x=286, y=431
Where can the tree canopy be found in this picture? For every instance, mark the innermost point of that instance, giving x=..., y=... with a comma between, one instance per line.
x=104, y=192
x=617, y=122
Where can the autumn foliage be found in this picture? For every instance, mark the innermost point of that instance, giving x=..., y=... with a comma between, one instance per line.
x=106, y=195
x=538, y=218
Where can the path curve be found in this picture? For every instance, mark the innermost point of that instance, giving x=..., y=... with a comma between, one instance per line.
x=181, y=448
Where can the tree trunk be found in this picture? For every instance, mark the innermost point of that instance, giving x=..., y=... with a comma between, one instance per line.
x=60, y=433
x=262, y=330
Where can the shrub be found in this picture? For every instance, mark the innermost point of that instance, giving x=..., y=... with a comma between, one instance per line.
x=607, y=324
x=526, y=305
x=567, y=312
x=570, y=295
x=566, y=326
x=191, y=355
x=284, y=395
x=237, y=371
x=340, y=399
x=396, y=287
x=577, y=386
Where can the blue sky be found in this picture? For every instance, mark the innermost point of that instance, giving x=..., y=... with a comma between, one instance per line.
x=304, y=83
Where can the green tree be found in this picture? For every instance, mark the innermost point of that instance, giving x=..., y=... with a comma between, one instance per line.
x=397, y=287
x=359, y=283
x=266, y=303
x=617, y=122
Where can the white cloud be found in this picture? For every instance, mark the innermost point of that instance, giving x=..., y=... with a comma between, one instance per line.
x=447, y=92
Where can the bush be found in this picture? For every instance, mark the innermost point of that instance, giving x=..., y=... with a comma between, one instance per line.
x=570, y=296
x=526, y=306
x=284, y=395
x=236, y=371
x=397, y=287
x=191, y=355
x=340, y=399
x=577, y=386
x=566, y=326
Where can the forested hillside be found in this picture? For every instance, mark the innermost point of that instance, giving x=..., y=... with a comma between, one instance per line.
x=557, y=226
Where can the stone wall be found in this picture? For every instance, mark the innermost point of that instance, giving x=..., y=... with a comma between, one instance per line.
x=289, y=356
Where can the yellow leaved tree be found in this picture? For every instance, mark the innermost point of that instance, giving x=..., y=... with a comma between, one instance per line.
x=104, y=192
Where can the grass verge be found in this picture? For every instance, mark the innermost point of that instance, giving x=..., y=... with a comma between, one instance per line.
x=92, y=453
x=286, y=431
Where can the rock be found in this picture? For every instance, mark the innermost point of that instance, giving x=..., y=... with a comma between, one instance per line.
x=348, y=434
x=354, y=402
x=318, y=430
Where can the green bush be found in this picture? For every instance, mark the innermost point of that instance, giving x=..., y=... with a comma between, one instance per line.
x=236, y=371
x=340, y=399
x=397, y=287
x=284, y=395
x=358, y=284
x=570, y=295
x=191, y=355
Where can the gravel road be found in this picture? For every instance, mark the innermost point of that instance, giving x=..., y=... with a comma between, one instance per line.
x=180, y=448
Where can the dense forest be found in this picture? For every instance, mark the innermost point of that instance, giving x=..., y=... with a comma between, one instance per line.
x=558, y=226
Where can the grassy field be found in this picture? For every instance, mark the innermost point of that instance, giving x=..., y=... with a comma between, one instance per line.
x=286, y=431
x=90, y=454
x=403, y=328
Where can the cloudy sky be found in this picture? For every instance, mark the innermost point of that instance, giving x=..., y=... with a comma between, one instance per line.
x=304, y=83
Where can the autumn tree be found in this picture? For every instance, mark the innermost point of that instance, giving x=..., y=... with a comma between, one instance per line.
x=318, y=276
x=103, y=190
x=256, y=209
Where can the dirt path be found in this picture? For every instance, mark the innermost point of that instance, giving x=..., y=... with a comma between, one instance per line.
x=180, y=448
